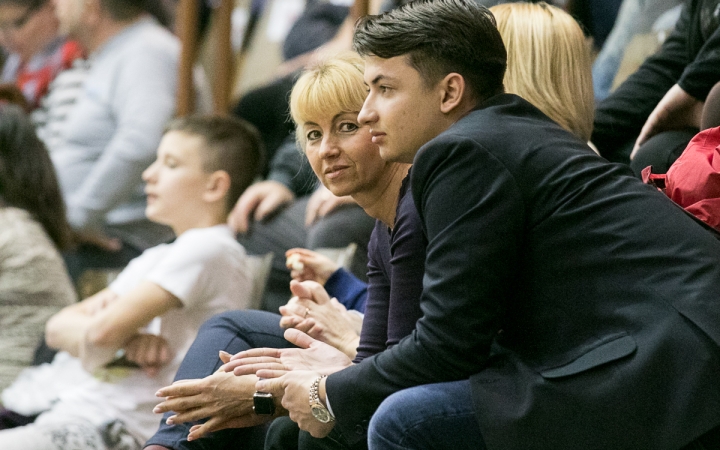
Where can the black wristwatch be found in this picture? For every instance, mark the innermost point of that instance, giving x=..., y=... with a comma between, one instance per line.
x=263, y=404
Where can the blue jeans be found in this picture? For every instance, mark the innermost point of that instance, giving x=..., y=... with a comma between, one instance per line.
x=231, y=331
x=432, y=416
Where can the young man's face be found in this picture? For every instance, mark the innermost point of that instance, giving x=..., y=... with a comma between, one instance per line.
x=176, y=181
x=403, y=112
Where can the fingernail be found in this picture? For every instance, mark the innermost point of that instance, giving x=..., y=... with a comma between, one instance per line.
x=223, y=352
x=170, y=421
x=159, y=394
x=156, y=409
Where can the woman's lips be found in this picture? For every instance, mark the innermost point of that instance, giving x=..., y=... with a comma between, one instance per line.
x=335, y=172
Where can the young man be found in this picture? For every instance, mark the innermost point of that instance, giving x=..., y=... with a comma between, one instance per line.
x=565, y=304
x=154, y=308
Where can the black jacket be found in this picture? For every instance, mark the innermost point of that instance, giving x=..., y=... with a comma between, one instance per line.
x=583, y=305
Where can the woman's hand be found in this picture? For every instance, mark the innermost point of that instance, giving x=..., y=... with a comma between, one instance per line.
x=313, y=312
x=312, y=355
x=307, y=265
x=226, y=399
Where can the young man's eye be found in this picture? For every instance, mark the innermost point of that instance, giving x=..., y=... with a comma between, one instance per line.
x=313, y=135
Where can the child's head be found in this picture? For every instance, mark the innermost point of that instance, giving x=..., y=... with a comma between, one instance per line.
x=201, y=160
x=27, y=175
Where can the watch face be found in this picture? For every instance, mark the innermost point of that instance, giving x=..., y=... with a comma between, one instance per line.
x=263, y=404
x=320, y=413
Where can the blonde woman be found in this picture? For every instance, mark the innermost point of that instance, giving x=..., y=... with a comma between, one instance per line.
x=549, y=63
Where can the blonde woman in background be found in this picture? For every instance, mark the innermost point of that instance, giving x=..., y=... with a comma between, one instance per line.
x=549, y=63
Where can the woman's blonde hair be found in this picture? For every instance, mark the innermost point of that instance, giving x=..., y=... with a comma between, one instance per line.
x=549, y=63
x=330, y=87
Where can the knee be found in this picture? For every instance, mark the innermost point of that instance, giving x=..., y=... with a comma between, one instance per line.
x=390, y=423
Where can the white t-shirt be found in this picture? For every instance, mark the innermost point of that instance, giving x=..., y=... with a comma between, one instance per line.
x=206, y=269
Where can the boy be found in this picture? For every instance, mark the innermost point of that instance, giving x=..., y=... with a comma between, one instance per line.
x=202, y=166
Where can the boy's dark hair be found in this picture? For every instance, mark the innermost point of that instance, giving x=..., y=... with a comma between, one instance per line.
x=439, y=37
x=232, y=145
x=27, y=175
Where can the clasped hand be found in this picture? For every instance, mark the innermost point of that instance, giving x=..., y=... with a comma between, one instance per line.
x=289, y=373
x=222, y=397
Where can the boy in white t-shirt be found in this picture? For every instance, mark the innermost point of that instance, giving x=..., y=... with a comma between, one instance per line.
x=152, y=311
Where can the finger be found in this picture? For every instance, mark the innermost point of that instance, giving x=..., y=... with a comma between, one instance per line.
x=298, y=338
x=273, y=385
x=295, y=308
x=243, y=209
x=290, y=321
x=327, y=207
x=252, y=369
x=269, y=374
x=310, y=290
x=256, y=352
x=225, y=356
x=267, y=206
x=180, y=404
x=181, y=388
x=190, y=415
x=250, y=364
x=311, y=214
x=302, y=251
x=306, y=325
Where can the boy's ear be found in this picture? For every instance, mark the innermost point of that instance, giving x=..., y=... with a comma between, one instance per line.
x=452, y=91
x=217, y=186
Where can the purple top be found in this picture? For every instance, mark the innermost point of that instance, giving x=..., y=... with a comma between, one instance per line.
x=396, y=264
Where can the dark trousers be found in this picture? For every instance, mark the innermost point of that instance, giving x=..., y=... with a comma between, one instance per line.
x=233, y=332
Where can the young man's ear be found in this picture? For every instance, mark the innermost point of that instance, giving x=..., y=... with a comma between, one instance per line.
x=217, y=186
x=452, y=91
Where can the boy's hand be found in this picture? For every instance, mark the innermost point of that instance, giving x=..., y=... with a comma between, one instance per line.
x=262, y=199
x=148, y=351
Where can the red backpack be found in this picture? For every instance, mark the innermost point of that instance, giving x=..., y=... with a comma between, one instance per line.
x=693, y=181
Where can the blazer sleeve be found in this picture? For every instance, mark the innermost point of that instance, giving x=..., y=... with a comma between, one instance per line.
x=473, y=214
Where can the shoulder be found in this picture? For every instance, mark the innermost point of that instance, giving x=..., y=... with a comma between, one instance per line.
x=209, y=243
x=18, y=227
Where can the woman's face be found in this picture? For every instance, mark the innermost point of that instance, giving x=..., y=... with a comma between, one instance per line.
x=343, y=156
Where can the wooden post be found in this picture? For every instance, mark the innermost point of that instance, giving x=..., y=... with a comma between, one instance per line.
x=224, y=60
x=187, y=28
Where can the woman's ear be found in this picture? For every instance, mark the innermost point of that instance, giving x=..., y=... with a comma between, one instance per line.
x=452, y=91
x=217, y=186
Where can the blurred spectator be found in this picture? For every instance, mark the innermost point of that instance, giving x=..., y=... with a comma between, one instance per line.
x=111, y=133
x=548, y=63
x=658, y=109
x=34, y=284
x=635, y=17
x=29, y=31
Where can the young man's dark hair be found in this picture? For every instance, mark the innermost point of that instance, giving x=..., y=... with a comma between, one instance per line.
x=233, y=145
x=439, y=41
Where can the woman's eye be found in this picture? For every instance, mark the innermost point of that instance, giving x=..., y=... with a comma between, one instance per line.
x=348, y=127
x=313, y=135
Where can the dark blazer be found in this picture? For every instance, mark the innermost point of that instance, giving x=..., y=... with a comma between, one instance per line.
x=583, y=305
